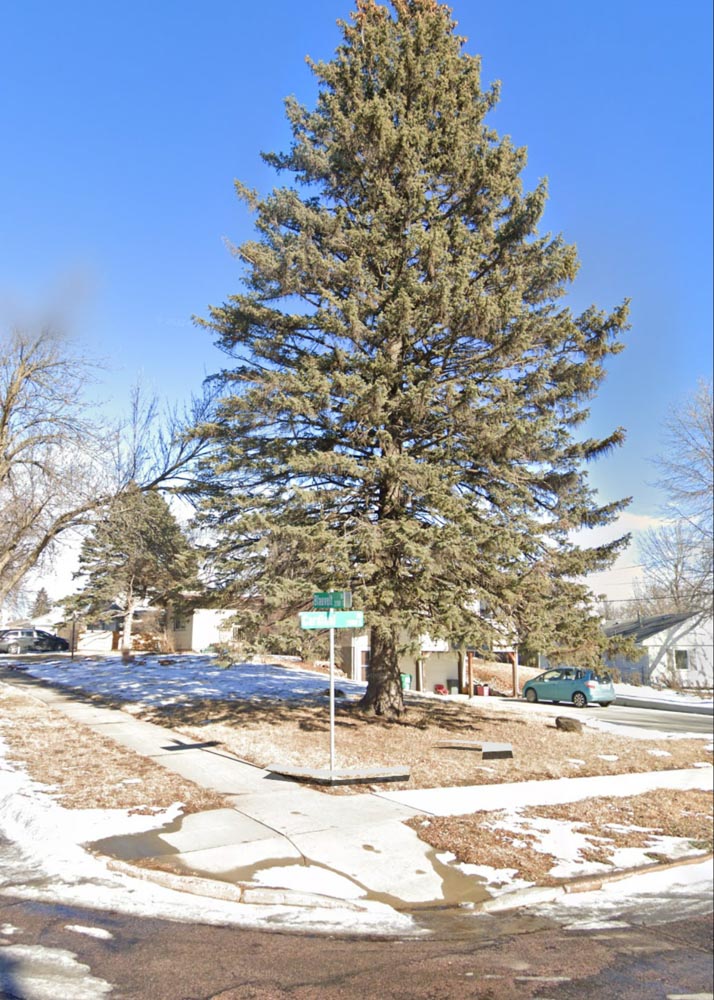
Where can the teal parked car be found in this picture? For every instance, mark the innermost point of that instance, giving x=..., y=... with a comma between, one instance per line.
x=582, y=687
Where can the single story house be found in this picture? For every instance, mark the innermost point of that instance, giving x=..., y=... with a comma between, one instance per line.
x=438, y=664
x=193, y=631
x=201, y=628
x=676, y=650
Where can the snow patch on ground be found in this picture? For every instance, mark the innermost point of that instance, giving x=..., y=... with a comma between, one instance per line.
x=563, y=841
x=662, y=694
x=639, y=899
x=30, y=816
x=37, y=970
x=184, y=678
x=95, y=932
x=51, y=865
x=309, y=878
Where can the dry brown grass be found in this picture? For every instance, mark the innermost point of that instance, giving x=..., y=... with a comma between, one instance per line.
x=474, y=840
x=85, y=770
x=606, y=822
x=297, y=733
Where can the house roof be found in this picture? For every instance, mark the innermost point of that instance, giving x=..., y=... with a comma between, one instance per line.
x=640, y=629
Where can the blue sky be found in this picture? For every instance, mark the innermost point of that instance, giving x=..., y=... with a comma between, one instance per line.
x=124, y=125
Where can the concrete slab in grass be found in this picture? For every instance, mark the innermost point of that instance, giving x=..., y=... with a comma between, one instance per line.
x=342, y=775
x=489, y=751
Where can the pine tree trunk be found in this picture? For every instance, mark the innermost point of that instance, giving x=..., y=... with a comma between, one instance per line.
x=128, y=623
x=384, y=690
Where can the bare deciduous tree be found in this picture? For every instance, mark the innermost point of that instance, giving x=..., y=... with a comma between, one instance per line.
x=677, y=557
x=687, y=465
x=160, y=446
x=677, y=568
x=59, y=464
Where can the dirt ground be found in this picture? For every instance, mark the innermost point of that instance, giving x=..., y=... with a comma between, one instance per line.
x=85, y=770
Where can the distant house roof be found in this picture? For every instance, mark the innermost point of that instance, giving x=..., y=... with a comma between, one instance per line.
x=640, y=629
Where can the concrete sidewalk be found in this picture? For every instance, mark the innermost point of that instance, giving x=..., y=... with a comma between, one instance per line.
x=278, y=837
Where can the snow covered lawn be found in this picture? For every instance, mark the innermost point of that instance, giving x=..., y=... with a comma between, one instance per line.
x=545, y=845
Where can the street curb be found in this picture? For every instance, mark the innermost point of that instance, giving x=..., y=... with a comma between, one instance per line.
x=629, y=701
x=582, y=883
x=232, y=892
x=263, y=896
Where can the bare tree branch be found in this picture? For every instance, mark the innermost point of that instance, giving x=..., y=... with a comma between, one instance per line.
x=687, y=465
x=60, y=464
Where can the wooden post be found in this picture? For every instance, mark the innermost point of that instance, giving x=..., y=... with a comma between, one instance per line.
x=470, y=663
x=514, y=664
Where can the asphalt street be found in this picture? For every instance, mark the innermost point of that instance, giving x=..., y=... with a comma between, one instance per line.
x=648, y=718
x=622, y=715
x=54, y=951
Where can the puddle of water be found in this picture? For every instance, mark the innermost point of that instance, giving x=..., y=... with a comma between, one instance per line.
x=135, y=846
x=449, y=914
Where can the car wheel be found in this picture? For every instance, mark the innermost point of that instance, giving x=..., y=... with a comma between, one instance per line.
x=14, y=648
x=531, y=696
x=579, y=699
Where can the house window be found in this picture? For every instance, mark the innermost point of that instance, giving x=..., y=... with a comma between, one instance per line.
x=364, y=664
x=681, y=659
x=179, y=624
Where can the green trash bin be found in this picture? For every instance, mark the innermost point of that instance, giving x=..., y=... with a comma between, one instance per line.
x=406, y=680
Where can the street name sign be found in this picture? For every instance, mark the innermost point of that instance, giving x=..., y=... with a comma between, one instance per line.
x=337, y=600
x=331, y=619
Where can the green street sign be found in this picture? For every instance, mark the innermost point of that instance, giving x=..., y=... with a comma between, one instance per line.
x=332, y=599
x=348, y=619
x=331, y=619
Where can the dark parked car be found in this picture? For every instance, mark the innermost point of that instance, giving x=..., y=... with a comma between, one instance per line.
x=30, y=640
x=582, y=687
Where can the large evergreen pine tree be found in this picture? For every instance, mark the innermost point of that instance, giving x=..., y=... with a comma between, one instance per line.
x=136, y=555
x=402, y=416
x=41, y=604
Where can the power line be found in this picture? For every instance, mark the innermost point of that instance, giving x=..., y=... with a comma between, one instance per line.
x=619, y=600
x=620, y=569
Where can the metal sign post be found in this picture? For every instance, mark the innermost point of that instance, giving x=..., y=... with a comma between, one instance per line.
x=332, y=692
x=332, y=619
